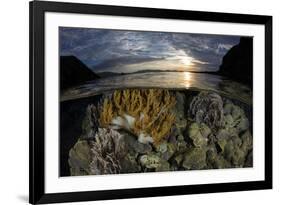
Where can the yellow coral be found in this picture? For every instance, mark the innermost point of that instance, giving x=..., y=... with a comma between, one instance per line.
x=151, y=109
x=106, y=114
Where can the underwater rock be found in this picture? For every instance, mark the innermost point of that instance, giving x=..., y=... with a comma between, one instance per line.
x=129, y=164
x=212, y=136
x=179, y=107
x=134, y=145
x=150, y=160
x=79, y=158
x=107, y=151
x=216, y=161
x=232, y=153
x=162, y=148
x=130, y=141
x=236, y=149
x=142, y=148
x=230, y=150
x=207, y=107
x=181, y=144
x=166, y=150
x=178, y=159
x=222, y=138
x=194, y=158
x=199, y=133
x=249, y=160
x=90, y=123
x=164, y=166
x=247, y=141
x=179, y=112
x=173, y=136
x=235, y=118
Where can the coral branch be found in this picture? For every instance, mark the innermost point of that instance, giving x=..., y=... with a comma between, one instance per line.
x=149, y=108
x=107, y=150
x=207, y=107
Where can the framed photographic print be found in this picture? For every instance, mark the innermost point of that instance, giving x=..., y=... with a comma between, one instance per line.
x=141, y=102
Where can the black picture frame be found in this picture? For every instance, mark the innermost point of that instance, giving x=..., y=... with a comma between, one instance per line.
x=37, y=10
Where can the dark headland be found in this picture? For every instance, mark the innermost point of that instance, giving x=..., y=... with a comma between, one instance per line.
x=74, y=72
x=237, y=64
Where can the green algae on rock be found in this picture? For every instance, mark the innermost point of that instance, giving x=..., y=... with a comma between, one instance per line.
x=194, y=158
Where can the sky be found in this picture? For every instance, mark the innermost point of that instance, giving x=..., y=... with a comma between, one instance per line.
x=105, y=50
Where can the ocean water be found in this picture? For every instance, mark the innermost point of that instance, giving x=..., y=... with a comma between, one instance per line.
x=167, y=80
x=74, y=101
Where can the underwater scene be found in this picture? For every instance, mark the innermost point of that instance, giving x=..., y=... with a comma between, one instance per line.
x=135, y=102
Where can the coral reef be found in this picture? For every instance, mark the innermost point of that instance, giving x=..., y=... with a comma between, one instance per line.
x=150, y=161
x=207, y=107
x=166, y=150
x=147, y=130
x=129, y=164
x=199, y=134
x=133, y=145
x=194, y=158
x=227, y=144
x=106, y=152
x=146, y=113
x=153, y=161
x=235, y=118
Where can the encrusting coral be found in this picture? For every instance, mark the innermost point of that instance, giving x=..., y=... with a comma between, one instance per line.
x=207, y=107
x=146, y=113
x=107, y=150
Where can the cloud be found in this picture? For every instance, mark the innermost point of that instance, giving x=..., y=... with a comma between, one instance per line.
x=114, y=50
x=117, y=64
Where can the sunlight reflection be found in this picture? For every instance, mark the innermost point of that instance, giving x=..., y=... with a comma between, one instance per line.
x=187, y=78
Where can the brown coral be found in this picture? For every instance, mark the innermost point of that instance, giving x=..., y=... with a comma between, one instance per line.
x=107, y=150
x=106, y=113
x=207, y=107
x=148, y=110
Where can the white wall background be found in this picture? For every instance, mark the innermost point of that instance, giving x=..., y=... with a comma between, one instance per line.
x=14, y=100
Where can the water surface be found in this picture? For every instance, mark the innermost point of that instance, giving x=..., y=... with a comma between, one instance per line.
x=168, y=80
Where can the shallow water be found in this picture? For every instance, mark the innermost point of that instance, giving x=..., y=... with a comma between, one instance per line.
x=74, y=102
x=169, y=80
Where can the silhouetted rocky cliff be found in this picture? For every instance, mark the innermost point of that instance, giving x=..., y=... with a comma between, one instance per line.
x=237, y=64
x=73, y=72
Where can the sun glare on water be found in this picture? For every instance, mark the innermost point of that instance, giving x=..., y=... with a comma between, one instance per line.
x=187, y=78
